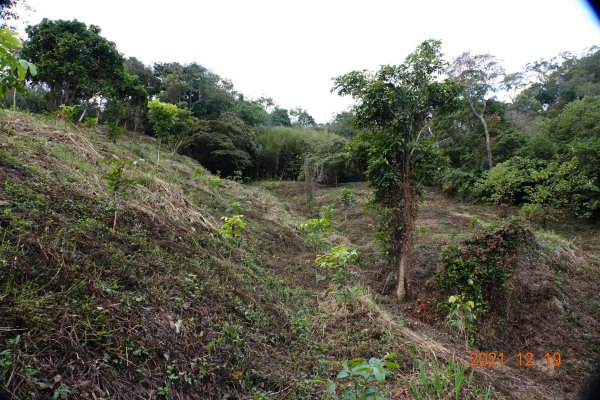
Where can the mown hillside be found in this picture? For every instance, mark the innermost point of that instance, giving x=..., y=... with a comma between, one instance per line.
x=131, y=290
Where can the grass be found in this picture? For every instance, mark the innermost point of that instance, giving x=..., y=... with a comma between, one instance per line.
x=162, y=307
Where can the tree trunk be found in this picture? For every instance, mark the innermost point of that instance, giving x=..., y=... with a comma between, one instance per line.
x=83, y=114
x=15, y=99
x=407, y=235
x=488, y=141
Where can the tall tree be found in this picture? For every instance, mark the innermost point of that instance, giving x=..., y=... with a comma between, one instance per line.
x=195, y=87
x=480, y=75
x=280, y=116
x=396, y=105
x=301, y=117
x=74, y=61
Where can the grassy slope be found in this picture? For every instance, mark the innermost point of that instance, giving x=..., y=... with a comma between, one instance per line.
x=164, y=307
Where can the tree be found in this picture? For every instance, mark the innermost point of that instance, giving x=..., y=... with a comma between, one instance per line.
x=301, y=117
x=343, y=125
x=252, y=112
x=396, y=104
x=195, y=87
x=479, y=73
x=280, y=116
x=74, y=61
x=224, y=145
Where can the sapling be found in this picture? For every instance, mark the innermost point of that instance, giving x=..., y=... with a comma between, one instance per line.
x=347, y=198
x=231, y=229
x=462, y=315
x=359, y=379
x=117, y=184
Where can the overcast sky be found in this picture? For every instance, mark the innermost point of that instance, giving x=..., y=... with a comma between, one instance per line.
x=290, y=50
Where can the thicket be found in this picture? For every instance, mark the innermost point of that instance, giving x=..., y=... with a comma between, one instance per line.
x=545, y=143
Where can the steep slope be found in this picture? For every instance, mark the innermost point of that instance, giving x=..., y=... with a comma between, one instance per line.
x=159, y=306
x=163, y=306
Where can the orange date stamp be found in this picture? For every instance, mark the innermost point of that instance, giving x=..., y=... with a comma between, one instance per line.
x=528, y=359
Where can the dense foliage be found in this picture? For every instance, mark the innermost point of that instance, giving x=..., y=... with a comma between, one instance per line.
x=396, y=105
x=544, y=140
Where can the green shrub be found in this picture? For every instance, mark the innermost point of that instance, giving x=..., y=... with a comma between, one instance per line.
x=317, y=229
x=347, y=198
x=117, y=183
x=461, y=315
x=66, y=113
x=477, y=269
x=458, y=182
x=336, y=265
x=232, y=227
x=215, y=181
x=90, y=122
x=359, y=379
x=114, y=132
x=508, y=182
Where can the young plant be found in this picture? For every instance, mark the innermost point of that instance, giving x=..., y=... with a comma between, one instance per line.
x=231, y=229
x=90, y=122
x=317, y=229
x=462, y=315
x=445, y=382
x=336, y=265
x=347, y=198
x=233, y=207
x=360, y=379
x=117, y=183
x=66, y=113
x=114, y=132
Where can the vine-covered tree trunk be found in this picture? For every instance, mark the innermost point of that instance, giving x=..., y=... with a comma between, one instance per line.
x=406, y=237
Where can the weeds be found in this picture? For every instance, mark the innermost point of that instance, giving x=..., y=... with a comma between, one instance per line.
x=446, y=381
x=359, y=379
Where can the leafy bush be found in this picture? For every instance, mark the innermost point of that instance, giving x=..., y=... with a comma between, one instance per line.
x=117, y=184
x=114, y=132
x=336, y=266
x=66, y=113
x=219, y=145
x=90, y=122
x=458, y=182
x=232, y=227
x=477, y=269
x=215, y=181
x=347, y=198
x=508, y=182
x=317, y=229
x=12, y=69
x=359, y=379
x=162, y=116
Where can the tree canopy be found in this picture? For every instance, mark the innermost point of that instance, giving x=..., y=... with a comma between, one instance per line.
x=73, y=60
x=396, y=104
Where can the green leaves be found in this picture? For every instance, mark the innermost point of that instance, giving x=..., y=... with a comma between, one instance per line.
x=232, y=227
x=360, y=379
x=12, y=69
x=73, y=60
x=317, y=229
x=114, y=176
